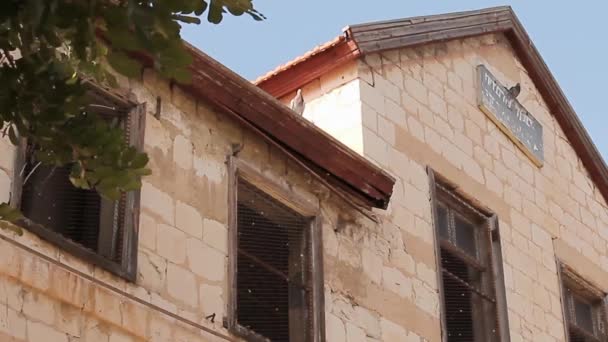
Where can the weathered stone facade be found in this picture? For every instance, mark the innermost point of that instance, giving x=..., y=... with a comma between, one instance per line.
x=418, y=109
x=404, y=110
x=49, y=295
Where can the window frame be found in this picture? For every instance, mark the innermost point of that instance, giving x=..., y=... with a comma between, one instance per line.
x=238, y=169
x=494, y=249
x=127, y=267
x=568, y=278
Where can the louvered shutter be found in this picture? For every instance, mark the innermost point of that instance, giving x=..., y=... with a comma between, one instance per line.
x=468, y=285
x=273, y=273
x=107, y=229
x=50, y=200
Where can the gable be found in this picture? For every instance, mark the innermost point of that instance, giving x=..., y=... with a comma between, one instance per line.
x=366, y=39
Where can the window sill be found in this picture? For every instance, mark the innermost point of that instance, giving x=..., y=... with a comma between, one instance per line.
x=245, y=333
x=76, y=250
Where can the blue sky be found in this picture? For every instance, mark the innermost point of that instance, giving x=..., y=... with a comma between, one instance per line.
x=571, y=36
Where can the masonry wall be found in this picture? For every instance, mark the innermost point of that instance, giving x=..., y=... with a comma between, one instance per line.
x=48, y=295
x=419, y=109
x=333, y=104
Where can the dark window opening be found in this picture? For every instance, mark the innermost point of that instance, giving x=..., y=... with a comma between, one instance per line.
x=584, y=309
x=273, y=288
x=49, y=199
x=80, y=220
x=469, y=295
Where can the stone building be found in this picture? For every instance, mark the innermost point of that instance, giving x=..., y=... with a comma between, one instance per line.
x=423, y=197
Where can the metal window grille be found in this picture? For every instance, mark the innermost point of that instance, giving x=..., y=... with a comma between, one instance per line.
x=469, y=295
x=584, y=308
x=273, y=287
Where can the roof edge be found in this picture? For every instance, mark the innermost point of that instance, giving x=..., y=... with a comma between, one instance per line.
x=323, y=154
x=302, y=70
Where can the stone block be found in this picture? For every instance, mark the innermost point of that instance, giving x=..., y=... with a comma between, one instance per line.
x=38, y=307
x=69, y=319
x=542, y=238
x=354, y=333
x=35, y=272
x=415, y=128
x=215, y=235
x=212, y=301
x=17, y=324
x=5, y=186
x=134, y=317
x=372, y=265
x=391, y=331
x=171, y=244
x=118, y=336
x=7, y=154
x=157, y=136
x=206, y=261
x=151, y=270
x=335, y=329
x=107, y=305
x=386, y=130
x=158, y=202
x=367, y=320
x=182, y=152
x=209, y=168
x=148, y=231
x=181, y=285
x=188, y=219
x=395, y=112
x=417, y=90
x=437, y=105
x=41, y=332
x=426, y=298
x=395, y=281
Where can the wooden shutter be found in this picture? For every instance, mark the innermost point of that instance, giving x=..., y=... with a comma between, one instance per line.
x=273, y=287
x=50, y=199
x=465, y=239
x=584, y=307
x=80, y=221
x=136, y=125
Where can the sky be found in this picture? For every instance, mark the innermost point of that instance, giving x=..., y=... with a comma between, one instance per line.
x=570, y=35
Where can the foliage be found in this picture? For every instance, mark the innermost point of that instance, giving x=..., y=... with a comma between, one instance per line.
x=50, y=48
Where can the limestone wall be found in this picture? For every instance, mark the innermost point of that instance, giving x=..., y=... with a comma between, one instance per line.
x=48, y=295
x=6, y=168
x=419, y=108
x=333, y=104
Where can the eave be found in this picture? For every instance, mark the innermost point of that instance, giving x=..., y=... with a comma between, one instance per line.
x=342, y=168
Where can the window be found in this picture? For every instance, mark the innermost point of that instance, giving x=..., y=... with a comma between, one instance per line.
x=276, y=273
x=584, y=308
x=78, y=220
x=468, y=251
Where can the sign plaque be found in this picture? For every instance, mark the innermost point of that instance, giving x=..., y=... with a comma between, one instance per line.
x=510, y=116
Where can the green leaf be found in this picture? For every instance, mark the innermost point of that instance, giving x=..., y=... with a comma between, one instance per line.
x=216, y=12
x=109, y=192
x=202, y=8
x=124, y=64
x=44, y=99
x=8, y=213
x=140, y=161
x=143, y=172
x=11, y=227
x=187, y=19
